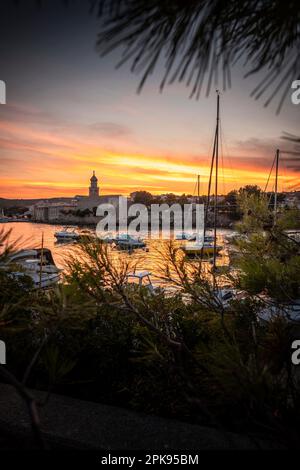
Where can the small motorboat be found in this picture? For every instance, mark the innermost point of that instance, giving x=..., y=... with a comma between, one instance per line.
x=225, y=295
x=37, y=264
x=4, y=218
x=186, y=236
x=127, y=242
x=105, y=237
x=209, y=238
x=288, y=311
x=191, y=237
x=67, y=233
x=200, y=248
x=141, y=279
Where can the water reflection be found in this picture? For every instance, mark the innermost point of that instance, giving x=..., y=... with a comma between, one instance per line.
x=29, y=235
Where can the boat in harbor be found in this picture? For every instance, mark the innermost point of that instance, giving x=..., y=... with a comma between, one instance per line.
x=37, y=264
x=287, y=311
x=106, y=237
x=200, y=248
x=141, y=279
x=193, y=237
x=206, y=245
x=127, y=242
x=67, y=233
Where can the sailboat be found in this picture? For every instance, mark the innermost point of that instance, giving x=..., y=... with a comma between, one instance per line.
x=37, y=264
x=289, y=310
x=191, y=237
x=276, y=162
x=204, y=246
x=186, y=235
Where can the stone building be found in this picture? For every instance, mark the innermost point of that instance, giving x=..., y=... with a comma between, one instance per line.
x=52, y=211
x=93, y=199
x=68, y=212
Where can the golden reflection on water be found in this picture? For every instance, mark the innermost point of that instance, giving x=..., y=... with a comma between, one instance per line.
x=29, y=235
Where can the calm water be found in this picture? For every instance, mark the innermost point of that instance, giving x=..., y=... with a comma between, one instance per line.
x=29, y=235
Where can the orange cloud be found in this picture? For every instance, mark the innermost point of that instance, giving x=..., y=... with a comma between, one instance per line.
x=43, y=159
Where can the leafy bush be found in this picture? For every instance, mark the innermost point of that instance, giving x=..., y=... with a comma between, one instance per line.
x=177, y=352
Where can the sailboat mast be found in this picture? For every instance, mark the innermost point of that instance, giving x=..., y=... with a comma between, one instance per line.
x=216, y=178
x=198, y=189
x=209, y=184
x=276, y=186
x=41, y=261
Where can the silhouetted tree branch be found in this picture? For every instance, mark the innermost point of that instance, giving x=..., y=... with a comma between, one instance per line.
x=199, y=40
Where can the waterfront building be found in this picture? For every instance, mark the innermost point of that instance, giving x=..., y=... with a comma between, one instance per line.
x=52, y=211
x=46, y=211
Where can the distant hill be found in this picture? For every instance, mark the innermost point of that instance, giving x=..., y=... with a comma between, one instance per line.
x=7, y=203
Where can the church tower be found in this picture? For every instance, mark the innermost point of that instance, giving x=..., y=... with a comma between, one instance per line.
x=93, y=189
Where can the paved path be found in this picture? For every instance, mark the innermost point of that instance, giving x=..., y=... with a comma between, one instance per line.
x=72, y=423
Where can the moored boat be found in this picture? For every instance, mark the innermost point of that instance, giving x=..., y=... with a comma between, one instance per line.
x=126, y=241
x=141, y=279
x=200, y=248
x=191, y=237
x=37, y=264
x=288, y=311
x=186, y=236
x=67, y=233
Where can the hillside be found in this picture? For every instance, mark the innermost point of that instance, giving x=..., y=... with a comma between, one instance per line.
x=7, y=203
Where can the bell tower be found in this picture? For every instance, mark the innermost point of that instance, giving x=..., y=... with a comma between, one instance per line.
x=93, y=189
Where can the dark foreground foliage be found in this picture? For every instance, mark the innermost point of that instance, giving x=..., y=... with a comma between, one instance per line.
x=175, y=352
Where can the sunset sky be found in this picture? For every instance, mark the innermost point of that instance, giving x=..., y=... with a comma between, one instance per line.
x=70, y=112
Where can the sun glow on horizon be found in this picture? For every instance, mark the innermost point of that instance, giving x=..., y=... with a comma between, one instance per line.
x=40, y=162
